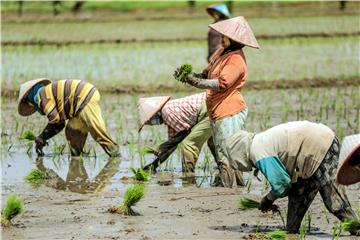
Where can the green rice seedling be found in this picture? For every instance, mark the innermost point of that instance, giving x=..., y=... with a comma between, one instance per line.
x=336, y=232
x=140, y=175
x=13, y=207
x=35, y=178
x=350, y=226
x=183, y=72
x=309, y=220
x=276, y=235
x=28, y=135
x=326, y=214
x=303, y=231
x=248, y=203
x=248, y=185
x=131, y=197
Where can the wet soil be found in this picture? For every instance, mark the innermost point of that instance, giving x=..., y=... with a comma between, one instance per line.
x=167, y=212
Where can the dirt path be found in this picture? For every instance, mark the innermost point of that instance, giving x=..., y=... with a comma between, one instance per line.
x=166, y=213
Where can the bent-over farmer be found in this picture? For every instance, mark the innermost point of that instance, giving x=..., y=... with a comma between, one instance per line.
x=188, y=125
x=218, y=12
x=299, y=159
x=73, y=100
x=349, y=170
x=223, y=79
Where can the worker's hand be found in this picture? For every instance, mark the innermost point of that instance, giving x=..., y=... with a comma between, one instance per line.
x=40, y=143
x=193, y=79
x=266, y=204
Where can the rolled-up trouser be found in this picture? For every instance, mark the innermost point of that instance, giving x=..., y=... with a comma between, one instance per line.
x=222, y=129
x=89, y=120
x=191, y=146
x=303, y=192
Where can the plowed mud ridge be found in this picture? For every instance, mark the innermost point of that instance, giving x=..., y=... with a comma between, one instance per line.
x=255, y=85
x=34, y=42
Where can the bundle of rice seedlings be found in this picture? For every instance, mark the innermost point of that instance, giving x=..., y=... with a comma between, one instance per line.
x=248, y=203
x=350, y=226
x=183, y=72
x=35, y=178
x=140, y=174
x=276, y=235
x=131, y=197
x=28, y=135
x=13, y=207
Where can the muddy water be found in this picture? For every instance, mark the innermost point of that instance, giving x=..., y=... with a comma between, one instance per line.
x=73, y=202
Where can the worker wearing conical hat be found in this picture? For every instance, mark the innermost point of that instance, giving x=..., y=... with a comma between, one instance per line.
x=74, y=101
x=349, y=170
x=224, y=78
x=218, y=12
x=299, y=159
x=188, y=126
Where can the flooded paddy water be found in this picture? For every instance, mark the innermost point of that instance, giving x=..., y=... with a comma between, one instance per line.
x=74, y=201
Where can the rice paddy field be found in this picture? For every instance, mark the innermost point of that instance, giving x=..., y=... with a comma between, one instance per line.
x=307, y=69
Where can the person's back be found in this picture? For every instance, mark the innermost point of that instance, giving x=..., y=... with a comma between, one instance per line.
x=300, y=145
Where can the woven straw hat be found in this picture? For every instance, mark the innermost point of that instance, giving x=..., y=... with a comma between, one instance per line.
x=219, y=8
x=346, y=174
x=24, y=108
x=236, y=29
x=148, y=107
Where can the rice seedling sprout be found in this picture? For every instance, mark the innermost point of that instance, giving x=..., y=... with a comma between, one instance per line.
x=35, y=178
x=132, y=196
x=140, y=174
x=276, y=235
x=13, y=207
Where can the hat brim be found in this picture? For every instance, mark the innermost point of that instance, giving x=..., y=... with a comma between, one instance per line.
x=347, y=174
x=154, y=112
x=24, y=108
x=228, y=36
x=212, y=11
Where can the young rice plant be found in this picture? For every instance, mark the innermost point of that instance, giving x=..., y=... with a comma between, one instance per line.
x=131, y=197
x=140, y=174
x=13, y=207
x=35, y=178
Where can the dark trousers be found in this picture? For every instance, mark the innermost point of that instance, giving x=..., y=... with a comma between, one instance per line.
x=303, y=192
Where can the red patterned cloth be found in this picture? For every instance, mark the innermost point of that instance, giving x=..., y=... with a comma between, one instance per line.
x=181, y=114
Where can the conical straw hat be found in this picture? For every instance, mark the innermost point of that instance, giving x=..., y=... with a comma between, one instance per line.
x=220, y=8
x=236, y=29
x=24, y=108
x=346, y=174
x=147, y=107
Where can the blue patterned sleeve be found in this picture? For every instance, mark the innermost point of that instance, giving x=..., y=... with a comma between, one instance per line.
x=275, y=172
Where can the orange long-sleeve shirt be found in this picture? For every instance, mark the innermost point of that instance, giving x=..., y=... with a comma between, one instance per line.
x=230, y=70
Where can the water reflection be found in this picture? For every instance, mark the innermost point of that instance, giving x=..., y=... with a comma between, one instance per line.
x=77, y=179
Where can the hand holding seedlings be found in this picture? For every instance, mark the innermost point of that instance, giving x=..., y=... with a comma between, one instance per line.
x=40, y=144
x=13, y=207
x=182, y=73
x=131, y=197
x=266, y=205
x=248, y=203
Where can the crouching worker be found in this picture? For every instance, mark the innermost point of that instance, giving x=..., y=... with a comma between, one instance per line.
x=73, y=100
x=298, y=159
x=188, y=126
